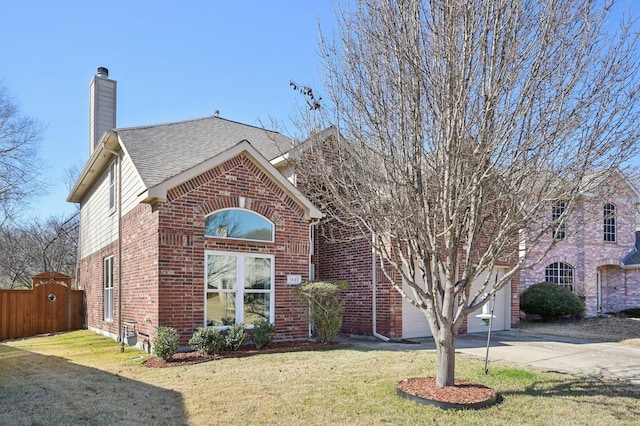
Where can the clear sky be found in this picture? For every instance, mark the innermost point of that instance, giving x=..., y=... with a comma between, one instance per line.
x=173, y=60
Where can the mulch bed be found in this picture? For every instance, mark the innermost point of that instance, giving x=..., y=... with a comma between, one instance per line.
x=189, y=358
x=462, y=395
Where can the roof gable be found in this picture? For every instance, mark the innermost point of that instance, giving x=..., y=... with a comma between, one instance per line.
x=162, y=151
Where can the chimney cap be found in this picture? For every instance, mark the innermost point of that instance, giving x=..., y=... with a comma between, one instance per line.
x=103, y=72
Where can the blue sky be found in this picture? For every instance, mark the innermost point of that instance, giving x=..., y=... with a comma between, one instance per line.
x=172, y=60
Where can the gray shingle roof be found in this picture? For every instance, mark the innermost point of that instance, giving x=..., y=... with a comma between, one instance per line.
x=633, y=258
x=162, y=151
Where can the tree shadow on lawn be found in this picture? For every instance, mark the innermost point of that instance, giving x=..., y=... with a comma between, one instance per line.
x=619, y=397
x=39, y=389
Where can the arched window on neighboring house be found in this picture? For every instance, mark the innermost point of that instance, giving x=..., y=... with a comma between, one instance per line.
x=609, y=213
x=238, y=224
x=560, y=273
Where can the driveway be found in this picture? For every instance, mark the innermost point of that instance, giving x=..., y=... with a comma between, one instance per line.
x=608, y=361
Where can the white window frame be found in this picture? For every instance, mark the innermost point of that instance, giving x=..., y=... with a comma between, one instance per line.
x=221, y=233
x=113, y=184
x=108, y=288
x=240, y=291
x=609, y=223
x=560, y=227
x=560, y=273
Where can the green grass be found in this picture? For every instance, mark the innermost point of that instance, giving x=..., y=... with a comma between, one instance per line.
x=80, y=378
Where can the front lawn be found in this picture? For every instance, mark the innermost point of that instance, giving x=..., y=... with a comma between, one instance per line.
x=82, y=378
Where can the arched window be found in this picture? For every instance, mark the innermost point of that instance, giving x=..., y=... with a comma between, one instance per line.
x=238, y=224
x=560, y=273
x=609, y=212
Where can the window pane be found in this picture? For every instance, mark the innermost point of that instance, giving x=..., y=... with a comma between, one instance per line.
x=257, y=273
x=256, y=307
x=221, y=272
x=221, y=308
x=240, y=224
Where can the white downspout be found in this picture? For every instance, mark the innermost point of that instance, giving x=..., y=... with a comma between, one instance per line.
x=374, y=281
x=119, y=213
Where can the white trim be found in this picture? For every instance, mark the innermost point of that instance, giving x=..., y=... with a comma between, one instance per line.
x=239, y=289
x=273, y=226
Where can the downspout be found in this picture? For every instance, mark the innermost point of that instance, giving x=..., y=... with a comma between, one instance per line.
x=312, y=251
x=119, y=255
x=374, y=281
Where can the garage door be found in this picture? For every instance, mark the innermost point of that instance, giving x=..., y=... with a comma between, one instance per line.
x=501, y=310
x=415, y=325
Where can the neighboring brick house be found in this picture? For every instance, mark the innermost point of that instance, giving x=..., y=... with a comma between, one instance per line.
x=200, y=223
x=595, y=254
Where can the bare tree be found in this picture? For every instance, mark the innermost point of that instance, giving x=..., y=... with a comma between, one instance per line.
x=466, y=121
x=19, y=138
x=39, y=246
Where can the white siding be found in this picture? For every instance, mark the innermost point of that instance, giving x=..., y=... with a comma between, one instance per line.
x=98, y=228
x=132, y=186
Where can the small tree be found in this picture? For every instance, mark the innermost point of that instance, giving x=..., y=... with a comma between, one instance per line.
x=326, y=306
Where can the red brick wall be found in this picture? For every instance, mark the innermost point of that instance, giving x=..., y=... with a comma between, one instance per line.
x=164, y=245
x=91, y=280
x=182, y=244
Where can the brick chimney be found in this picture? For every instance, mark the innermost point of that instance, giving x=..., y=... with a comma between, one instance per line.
x=102, y=106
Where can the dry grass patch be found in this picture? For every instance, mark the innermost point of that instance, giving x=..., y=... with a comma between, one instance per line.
x=604, y=329
x=82, y=378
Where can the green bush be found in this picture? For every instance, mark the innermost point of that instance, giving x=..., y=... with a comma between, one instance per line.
x=326, y=307
x=631, y=313
x=207, y=340
x=165, y=344
x=234, y=337
x=550, y=301
x=263, y=333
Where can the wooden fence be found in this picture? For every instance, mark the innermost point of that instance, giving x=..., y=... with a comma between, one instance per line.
x=50, y=306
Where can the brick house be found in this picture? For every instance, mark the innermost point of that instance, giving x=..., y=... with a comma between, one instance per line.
x=596, y=254
x=200, y=222
x=185, y=224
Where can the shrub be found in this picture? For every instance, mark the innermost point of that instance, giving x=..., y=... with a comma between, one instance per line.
x=326, y=307
x=165, y=344
x=263, y=333
x=550, y=301
x=631, y=313
x=207, y=340
x=234, y=337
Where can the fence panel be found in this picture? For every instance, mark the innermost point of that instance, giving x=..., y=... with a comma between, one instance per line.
x=48, y=308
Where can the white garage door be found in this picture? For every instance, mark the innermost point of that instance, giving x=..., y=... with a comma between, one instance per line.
x=501, y=310
x=415, y=325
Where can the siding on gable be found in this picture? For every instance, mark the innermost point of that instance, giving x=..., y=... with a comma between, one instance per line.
x=132, y=186
x=98, y=226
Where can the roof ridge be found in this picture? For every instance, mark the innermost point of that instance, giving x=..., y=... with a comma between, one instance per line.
x=173, y=123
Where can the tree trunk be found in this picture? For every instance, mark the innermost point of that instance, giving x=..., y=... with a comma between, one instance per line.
x=446, y=350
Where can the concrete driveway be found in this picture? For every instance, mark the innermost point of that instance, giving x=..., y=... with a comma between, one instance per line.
x=608, y=361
